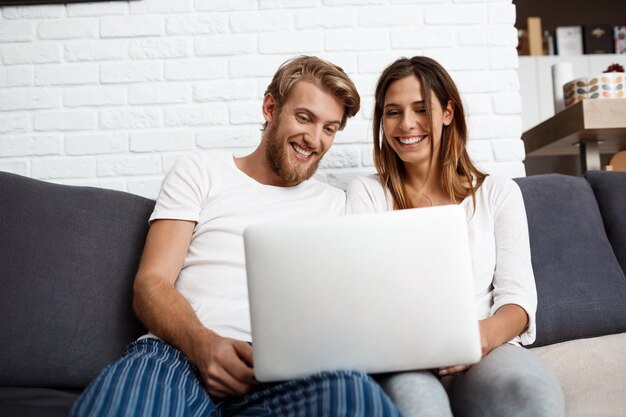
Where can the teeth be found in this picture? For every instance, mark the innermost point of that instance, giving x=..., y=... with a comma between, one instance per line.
x=411, y=140
x=301, y=152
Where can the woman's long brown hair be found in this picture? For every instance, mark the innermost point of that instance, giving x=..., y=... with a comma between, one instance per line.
x=453, y=156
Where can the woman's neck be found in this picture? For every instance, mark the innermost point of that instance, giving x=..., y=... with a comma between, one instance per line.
x=423, y=188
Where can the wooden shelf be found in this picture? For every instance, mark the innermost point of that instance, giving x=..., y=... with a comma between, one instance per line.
x=595, y=121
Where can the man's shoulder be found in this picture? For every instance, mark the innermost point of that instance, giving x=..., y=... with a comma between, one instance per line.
x=203, y=161
x=210, y=157
x=324, y=188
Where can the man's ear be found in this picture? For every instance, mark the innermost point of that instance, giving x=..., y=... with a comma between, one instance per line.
x=448, y=113
x=269, y=107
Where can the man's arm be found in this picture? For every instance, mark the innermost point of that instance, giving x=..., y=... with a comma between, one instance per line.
x=157, y=303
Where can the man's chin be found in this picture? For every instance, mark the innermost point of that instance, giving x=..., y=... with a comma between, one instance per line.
x=300, y=173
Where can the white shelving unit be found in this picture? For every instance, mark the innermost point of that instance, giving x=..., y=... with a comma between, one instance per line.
x=535, y=76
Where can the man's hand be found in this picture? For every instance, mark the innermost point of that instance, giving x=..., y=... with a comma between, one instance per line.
x=225, y=365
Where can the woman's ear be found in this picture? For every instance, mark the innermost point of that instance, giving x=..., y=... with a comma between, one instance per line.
x=269, y=107
x=448, y=113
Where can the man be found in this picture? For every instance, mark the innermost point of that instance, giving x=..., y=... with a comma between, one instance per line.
x=190, y=289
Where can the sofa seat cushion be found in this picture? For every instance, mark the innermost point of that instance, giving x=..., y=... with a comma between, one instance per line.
x=35, y=402
x=68, y=257
x=591, y=372
x=610, y=191
x=581, y=288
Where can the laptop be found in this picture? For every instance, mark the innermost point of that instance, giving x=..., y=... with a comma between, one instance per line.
x=378, y=293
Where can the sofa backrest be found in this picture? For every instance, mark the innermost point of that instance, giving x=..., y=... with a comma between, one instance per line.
x=68, y=256
x=610, y=191
x=581, y=288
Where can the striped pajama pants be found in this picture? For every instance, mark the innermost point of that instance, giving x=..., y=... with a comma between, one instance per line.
x=155, y=379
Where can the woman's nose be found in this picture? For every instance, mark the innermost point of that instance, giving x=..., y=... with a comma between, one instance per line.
x=408, y=121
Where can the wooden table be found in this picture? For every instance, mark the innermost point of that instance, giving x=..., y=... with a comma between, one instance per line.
x=588, y=128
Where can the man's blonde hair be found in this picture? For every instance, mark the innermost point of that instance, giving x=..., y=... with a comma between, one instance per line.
x=327, y=76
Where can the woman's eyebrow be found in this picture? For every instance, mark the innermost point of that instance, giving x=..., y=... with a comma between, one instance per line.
x=397, y=105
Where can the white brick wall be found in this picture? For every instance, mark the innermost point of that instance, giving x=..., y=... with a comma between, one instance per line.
x=112, y=93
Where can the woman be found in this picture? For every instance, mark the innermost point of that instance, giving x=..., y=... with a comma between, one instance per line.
x=420, y=138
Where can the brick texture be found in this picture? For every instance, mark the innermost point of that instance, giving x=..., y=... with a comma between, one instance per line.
x=111, y=94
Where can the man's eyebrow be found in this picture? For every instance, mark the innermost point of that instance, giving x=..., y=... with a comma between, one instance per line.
x=397, y=105
x=314, y=116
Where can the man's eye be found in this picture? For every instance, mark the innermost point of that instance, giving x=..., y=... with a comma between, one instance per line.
x=330, y=130
x=302, y=118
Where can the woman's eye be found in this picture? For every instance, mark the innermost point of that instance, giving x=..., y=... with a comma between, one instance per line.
x=330, y=130
x=420, y=110
x=392, y=113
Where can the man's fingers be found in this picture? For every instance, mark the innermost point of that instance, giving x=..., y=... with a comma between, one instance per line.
x=231, y=371
x=222, y=381
x=244, y=350
x=239, y=370
x=232, y=385
x=216, y=392
x=226, y=373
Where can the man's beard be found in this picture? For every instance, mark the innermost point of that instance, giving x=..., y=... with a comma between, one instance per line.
x=276, y=154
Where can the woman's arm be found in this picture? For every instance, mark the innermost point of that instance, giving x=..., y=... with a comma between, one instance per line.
x=514, y=292
x=513, y=280
x=509, y=321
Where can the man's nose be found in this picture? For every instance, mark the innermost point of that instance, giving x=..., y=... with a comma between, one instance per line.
x=314, y=138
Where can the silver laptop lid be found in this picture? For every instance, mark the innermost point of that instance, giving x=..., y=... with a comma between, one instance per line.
x=378, y=293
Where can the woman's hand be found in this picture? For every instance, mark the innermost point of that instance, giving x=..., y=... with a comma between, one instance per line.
x=488, y=336
x=509, y=321
x=486, y=346
x=451, y=370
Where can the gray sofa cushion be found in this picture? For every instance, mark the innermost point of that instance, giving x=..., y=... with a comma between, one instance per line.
x=35, y=402
x=68, y=256
x=581, y=288
x=610, y=191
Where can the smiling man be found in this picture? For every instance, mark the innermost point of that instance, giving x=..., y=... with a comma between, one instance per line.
x=190, y=289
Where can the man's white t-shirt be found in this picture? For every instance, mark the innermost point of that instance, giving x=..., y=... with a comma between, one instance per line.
x=498, y=237
x=209, y=189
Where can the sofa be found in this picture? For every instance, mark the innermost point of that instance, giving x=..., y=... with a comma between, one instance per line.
x=68, y=256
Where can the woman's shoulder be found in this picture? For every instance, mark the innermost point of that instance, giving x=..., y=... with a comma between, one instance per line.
x=497, y=184
x=366, y=194
x=369, y=185
x=500, y=191
x=371, y=181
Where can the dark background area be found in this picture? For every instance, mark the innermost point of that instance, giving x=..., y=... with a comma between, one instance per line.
x=555, y=13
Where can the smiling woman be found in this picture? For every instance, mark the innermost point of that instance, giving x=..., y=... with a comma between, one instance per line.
x=420, y=141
